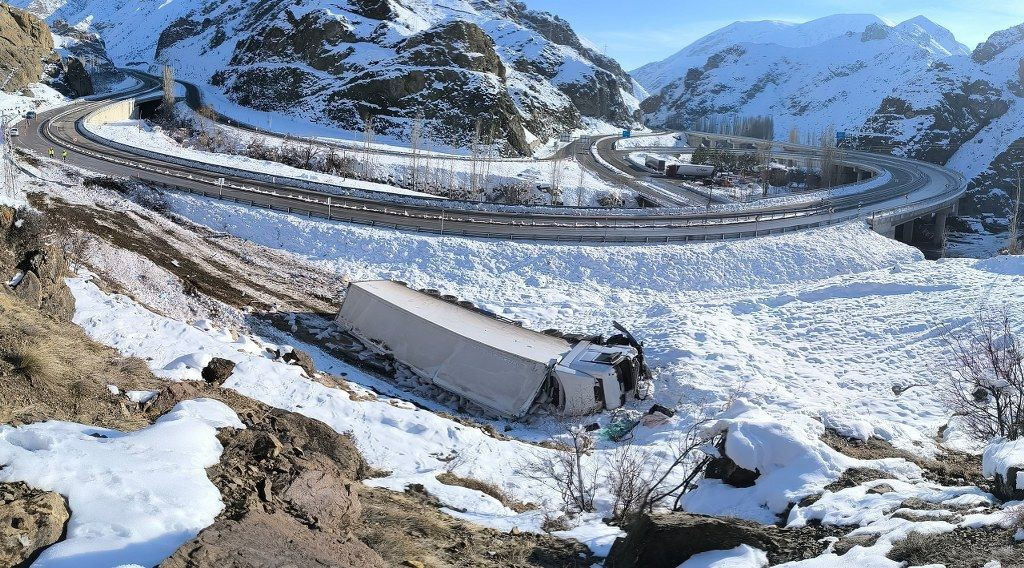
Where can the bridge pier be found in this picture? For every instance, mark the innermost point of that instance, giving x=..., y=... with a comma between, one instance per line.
x=905, y=232
x=940, y=226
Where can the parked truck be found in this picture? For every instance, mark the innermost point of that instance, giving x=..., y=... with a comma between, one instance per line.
x=490, y=360
x=689, y=171
x=655, y=163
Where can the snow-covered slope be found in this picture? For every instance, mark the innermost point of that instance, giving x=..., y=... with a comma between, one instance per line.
x=655, y=76
x=831, y=71
x=909, y=88
x=333, y=62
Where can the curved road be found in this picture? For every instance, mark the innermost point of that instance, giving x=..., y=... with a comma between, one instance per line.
x=916, y=189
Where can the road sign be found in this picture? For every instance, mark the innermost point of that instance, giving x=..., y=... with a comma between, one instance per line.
x=627, y=133
x=840, y=136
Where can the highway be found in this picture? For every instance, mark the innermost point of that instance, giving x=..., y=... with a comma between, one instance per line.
x=914, y=190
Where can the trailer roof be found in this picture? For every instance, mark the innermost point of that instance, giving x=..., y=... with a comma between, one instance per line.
x=523, y=343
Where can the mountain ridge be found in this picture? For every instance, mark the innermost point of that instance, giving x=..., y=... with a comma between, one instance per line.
x=333, y=63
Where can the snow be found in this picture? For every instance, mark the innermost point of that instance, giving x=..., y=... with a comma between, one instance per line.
x=806, y=35
x=140, y=134
x=815, y=325
x=1002, y=455
x=742, y=556
x=134, y=497
x=788, y=453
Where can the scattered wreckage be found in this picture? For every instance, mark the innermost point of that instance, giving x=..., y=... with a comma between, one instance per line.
x=490, y=360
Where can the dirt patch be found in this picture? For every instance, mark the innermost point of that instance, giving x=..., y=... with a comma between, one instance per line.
x=232, y=271
x=949, y=468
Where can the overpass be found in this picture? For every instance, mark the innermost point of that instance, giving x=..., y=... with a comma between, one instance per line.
x=905, y=190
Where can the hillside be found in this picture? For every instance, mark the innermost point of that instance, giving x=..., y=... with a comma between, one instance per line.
x=907, y=88
x=332, y=63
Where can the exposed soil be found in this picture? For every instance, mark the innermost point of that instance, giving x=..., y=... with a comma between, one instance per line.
x=233, y=271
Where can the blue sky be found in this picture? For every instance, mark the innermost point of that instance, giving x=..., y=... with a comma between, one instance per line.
x=640, y=31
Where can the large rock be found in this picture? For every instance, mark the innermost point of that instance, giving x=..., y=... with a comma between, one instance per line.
x=43, y=286
x=30, y=520
x=324, y=498
x=262, y=540
x=30, y=290
x=77, y=78
x=666, y=541
x=218, y=370
x=725, y=469
x=302, y=359
x=27, y=43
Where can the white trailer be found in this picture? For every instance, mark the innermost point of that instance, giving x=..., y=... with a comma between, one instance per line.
x=490, y=361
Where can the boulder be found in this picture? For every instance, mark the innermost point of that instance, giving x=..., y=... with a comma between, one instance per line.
x=30, y=520
x=668, y=540
x=59, y=304
x=30, y=290
x=218, y=370
x=1006, y=488
x=725, y=469
x=325, y=498
x=302, y=359
x=261, y=539
x=171, y=395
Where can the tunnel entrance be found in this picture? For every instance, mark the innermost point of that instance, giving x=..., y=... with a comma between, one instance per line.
x=147, y=109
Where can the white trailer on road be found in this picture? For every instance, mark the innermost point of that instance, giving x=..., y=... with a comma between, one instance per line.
x=488, y=360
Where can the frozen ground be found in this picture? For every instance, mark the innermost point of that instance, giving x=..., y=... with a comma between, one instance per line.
x=134, y=498
x=813, y=325
x=822, y=320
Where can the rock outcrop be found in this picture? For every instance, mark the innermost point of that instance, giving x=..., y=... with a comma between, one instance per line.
x=39, y=268
x=522, y=74
x=289, y=487
x=668, y=540
x=30, y=520
x=25, y=43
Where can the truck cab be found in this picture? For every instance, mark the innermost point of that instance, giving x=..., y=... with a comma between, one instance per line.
x=594, y=377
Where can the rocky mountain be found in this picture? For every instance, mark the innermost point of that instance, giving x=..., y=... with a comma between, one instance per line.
x=907, y=88
x=25, y=45
x=334, y=62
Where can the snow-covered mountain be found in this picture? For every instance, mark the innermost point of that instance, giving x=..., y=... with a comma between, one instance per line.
x=835, y=70
x=333, y=62
x=910, y=88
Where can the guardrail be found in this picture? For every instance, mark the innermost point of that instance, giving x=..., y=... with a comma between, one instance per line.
x=573, y=224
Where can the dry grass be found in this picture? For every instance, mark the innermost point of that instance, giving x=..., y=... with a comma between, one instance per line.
x=1015, y=518
x=409, y=526
x=53, y=371
x=449, y=478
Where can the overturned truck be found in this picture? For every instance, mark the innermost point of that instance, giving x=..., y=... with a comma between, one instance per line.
x=490, y=360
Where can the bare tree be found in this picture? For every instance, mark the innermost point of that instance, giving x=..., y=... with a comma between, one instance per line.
x=568, y=470
x=415, y=141
x=641, y=480
x=1014, y=246
x=986, y=386
x=367, y=143
x=764, y=164
x=167, y=105
x=829, y=157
